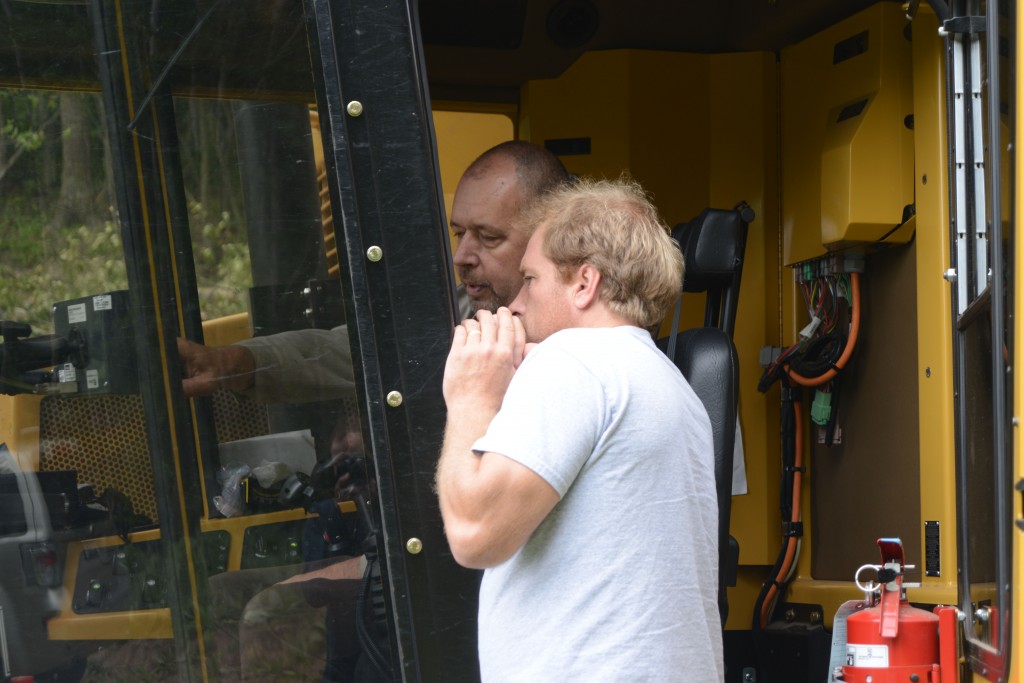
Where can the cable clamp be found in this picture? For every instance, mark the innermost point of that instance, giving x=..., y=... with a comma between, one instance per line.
x=789, y=469
x=790, y=529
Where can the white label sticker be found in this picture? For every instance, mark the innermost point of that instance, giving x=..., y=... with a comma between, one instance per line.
x=67, y=373
x=867, y=656
x=838, y=654
x=76, y=313
x=92, y=379
x=102, y=302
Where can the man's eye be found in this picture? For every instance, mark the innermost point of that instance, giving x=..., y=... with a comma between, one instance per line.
x=490, y=239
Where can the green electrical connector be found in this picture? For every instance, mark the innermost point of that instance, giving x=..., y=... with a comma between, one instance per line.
x=821, y=409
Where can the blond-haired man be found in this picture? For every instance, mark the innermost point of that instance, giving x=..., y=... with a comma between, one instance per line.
x=577, y=467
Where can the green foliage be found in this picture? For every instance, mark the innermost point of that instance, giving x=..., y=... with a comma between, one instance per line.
x=84, y=260
x=222, y=263
x=21, y=226
x=25, y=117
x=43, y=260
x=28, y=140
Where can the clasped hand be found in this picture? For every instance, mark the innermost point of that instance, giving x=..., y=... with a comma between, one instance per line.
x=486, y=350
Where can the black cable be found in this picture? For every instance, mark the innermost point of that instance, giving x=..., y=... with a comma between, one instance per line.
x=820, y=356
x=788, y=436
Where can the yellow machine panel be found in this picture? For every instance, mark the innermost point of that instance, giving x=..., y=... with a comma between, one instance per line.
x=847, y=134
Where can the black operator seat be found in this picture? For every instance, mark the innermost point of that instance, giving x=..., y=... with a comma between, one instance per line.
x=713, y=244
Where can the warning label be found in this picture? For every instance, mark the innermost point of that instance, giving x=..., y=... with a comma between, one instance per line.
x=76, y=314
x=102, y=302
x=867, y=656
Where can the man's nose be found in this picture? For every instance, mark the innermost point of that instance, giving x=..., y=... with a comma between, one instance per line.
x=517, y=304
x=466, y=251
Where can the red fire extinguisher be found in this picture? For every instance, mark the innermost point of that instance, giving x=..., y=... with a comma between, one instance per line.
x=893, y=641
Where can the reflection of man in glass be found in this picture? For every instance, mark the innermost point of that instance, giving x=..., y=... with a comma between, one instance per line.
x=312, y=365
x=308, y=365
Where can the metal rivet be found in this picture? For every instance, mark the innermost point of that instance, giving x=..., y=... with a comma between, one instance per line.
x=394, y=399
x=375, y=253
x=414, y=546
x=927, y=372
x=354, y=108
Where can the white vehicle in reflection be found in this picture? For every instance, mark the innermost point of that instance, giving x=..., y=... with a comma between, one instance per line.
x=38, y=512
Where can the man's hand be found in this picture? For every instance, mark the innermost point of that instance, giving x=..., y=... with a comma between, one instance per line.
x=490, y=504
x=209, y=368
x=485, y=354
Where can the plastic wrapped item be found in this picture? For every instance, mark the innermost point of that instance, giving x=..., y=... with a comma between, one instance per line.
x=231, y=502
x=269, y=473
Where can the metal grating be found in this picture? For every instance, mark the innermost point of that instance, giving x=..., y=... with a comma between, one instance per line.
x=236, y=417
x=103, y=438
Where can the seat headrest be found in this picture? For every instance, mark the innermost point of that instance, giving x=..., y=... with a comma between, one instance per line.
x=712, y=246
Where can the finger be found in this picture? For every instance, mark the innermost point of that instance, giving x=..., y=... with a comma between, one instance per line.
x=506, y=331
x=459, y=337
x=472, y=328
x=185, y=349
x=519, y=348
x=488, y=326
x=197, y=387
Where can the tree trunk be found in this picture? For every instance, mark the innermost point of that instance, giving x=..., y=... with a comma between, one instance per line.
x=75, y=201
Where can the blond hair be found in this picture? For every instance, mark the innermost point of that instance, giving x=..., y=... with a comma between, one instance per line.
x=613, y=226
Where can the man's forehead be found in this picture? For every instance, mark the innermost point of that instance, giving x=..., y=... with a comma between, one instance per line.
x=534, y=250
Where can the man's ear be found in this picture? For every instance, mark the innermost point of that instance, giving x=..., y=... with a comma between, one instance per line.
x=588, y=281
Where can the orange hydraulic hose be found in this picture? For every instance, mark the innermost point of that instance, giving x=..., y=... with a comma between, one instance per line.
x=791, y=542
x=851, y=341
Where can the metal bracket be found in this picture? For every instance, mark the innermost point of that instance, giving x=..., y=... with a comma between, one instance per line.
x=963, y=26
x=1019, y=486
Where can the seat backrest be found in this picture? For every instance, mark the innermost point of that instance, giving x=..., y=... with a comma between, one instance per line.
x=707, y=358
x=713, y=246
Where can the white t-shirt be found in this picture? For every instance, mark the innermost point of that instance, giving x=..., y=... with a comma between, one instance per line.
x=620, y=581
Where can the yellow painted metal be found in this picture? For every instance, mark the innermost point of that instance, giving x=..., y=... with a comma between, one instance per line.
x=151, y=623
x=19, y=428
x=1016, y=672
x=134, y=625
x=743, y=154
x=847, y=155
x=646, y=113
x=227, y=330
x=934, y=326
